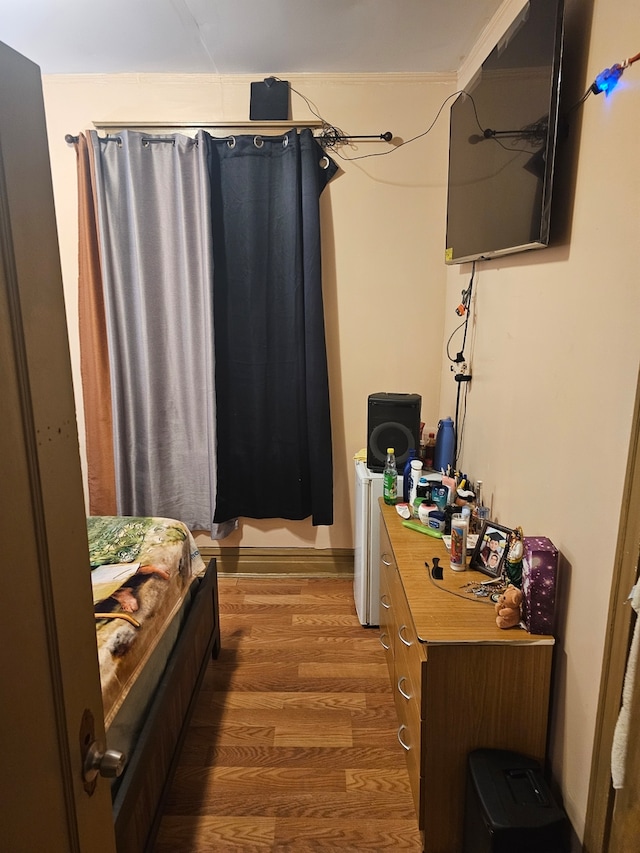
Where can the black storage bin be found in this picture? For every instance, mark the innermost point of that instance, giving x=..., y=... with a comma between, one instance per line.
x=509, y=806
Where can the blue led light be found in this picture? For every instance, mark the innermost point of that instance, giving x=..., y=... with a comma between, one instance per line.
x=606, y=80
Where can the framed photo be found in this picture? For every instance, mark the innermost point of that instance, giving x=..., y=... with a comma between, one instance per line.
x=491, y=549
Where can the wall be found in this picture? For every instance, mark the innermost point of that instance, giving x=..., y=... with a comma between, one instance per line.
x=383, y=239
x=554, y=354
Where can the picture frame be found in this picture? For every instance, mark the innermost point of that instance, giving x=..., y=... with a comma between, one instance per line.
x=491, y=549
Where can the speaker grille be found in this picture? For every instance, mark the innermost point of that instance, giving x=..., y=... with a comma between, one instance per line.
x=393, y=421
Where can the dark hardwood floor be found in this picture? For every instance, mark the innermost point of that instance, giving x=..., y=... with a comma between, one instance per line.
x=292, y=746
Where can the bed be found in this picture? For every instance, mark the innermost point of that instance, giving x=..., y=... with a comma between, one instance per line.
x=157, y=626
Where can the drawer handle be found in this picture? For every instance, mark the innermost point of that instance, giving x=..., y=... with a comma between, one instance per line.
x=383, y=557
x=384, y=603
x=386, y=648
x=400, y=741
x=402, y=639
x=400, y=690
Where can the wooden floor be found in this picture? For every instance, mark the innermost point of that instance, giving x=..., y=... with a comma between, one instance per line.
x=293, y=745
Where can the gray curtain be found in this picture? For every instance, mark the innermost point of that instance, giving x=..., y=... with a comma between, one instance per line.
x=153, y=203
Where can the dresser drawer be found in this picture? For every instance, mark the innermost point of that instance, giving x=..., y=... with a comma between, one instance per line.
x=410, y=739
x=409, y=652
x=386, y=616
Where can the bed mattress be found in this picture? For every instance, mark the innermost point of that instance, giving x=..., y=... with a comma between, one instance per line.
x=142, y=570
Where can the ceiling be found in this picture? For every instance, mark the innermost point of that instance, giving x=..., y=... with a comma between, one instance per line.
x=245, y=36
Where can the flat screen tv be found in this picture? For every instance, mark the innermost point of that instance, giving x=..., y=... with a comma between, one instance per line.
x=502, y=142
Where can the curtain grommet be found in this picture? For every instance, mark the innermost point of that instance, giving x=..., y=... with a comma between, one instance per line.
x=231, y=142
x=324, y=162
x=258, y=141
x=285, y=142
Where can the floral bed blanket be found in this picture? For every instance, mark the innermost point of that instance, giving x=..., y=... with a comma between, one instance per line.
x=141, y=571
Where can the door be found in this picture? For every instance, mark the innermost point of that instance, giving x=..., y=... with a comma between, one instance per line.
x=613, y=816
x=49, y=677
x=625, y=822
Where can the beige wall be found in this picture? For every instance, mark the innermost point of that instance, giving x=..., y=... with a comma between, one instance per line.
x=383, y=238
x=554, y=357
x=554, y=350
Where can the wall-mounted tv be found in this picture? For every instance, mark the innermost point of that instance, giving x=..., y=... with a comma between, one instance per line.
x=502, y=142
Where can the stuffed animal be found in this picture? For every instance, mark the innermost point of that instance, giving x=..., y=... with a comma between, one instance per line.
x=508, y=607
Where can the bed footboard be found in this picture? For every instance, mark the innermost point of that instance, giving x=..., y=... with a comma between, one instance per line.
x=137, y=807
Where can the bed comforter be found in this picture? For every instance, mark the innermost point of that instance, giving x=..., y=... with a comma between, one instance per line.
x=141, y=571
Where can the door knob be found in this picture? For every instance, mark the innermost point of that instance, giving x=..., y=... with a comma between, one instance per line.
x=106, y=762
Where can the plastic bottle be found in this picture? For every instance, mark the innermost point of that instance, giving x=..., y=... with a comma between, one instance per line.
x=415, y=474
x=429, y=448
x=443, y=456
x=406, y=476
x=390, y=477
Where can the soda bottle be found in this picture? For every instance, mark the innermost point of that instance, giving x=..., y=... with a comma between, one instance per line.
x=390, y=477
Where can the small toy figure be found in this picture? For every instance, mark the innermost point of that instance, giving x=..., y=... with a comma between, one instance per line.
x=513, y=560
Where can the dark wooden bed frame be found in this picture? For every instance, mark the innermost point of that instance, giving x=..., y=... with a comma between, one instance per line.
x=137, y=807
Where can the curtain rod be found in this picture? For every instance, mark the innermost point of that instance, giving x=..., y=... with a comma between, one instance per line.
x=330, y=137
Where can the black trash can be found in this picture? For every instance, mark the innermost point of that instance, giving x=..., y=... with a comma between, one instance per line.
x=509, y=806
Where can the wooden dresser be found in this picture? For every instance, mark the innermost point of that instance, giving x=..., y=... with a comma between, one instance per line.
x=459, y=681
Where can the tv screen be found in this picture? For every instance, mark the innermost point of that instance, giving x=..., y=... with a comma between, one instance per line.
x=502, y=142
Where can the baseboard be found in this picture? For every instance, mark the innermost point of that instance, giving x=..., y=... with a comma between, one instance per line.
x=300, y=562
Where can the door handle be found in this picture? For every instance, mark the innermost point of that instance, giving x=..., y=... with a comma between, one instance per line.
x=96, y=760
x=106, y=762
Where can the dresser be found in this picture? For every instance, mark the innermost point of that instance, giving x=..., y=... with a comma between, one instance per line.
x=459, y=682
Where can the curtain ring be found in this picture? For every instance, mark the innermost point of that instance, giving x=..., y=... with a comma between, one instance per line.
x=258, y=141
x=285, y=142
x=325, y=164
x=231, y=142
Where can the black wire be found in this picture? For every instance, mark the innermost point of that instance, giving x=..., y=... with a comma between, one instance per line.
x=464, y=417
x=332, y=136
x=457, y=329
x=467, y=302
x=580, y=102
x=458, y=438
x=413, y=138
x=459, y=431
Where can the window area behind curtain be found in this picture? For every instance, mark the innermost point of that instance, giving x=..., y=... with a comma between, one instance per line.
x=210, y=262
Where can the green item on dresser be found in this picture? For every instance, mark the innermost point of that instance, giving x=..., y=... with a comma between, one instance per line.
x=422, y=528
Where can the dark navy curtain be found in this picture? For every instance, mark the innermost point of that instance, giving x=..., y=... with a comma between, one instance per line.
x=274, y=456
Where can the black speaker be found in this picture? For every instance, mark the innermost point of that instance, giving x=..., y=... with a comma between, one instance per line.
x=269, y=100
x=393, y=420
